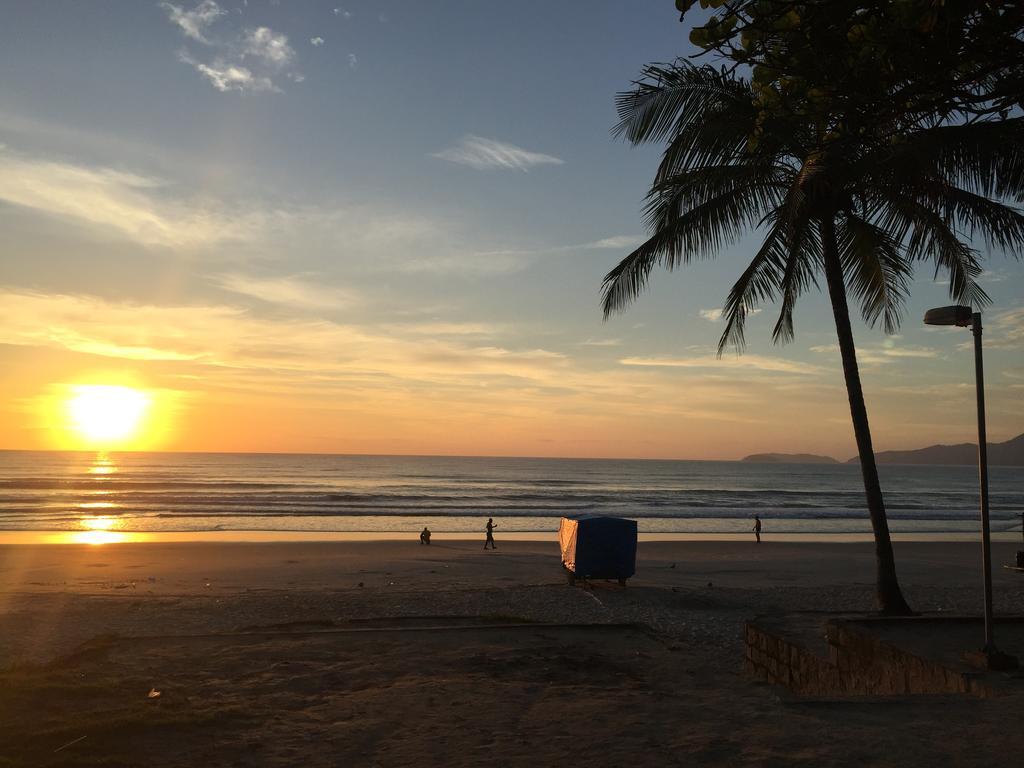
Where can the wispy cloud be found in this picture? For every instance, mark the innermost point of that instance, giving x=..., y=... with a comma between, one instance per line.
x=245, y=61
x=316, y=42
x=915, y=352
x=608, y=243
x=353, y=62
x=292, y=290
x=714, y=315
x=612, y=243
x=484, y=154
x=225, y=76
x=152, y=211
x=1006, y=330
x=887, y=352
x=235, y=340
x=128, y=204
x=992, y=276
x=195, y=22
x=438, y=328
x=269, y=46
x=753, y=362
x=601, y=343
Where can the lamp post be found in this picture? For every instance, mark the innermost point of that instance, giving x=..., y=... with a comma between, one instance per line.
x=965, y=317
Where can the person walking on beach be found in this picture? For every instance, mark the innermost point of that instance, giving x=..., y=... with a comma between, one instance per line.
x=490, y=533
x=425, y=535
x=757, y=528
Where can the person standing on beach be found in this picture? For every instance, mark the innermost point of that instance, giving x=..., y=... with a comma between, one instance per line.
x=490, y=533
x=757, y=528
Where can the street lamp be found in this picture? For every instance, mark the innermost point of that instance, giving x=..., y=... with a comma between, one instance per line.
x=965, y=317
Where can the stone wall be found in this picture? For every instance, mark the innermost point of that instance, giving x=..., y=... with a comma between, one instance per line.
x=857, y=661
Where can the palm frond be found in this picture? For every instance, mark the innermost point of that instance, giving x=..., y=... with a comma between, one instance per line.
x=756, y=285
x=766, y=272
x=763, y=187
x=802, y=261
x=718, y=136
x=930, y=237
x=701, y=231
x=667, y=96
x=876, y=270
x=999, y=225
x=986, y=158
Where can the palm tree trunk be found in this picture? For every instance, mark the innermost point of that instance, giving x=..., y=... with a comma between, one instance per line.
x=890, y=598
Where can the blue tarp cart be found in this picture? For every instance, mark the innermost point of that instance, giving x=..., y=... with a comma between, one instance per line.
x=598, y=547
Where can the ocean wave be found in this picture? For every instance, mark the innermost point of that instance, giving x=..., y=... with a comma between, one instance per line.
x=54, y=489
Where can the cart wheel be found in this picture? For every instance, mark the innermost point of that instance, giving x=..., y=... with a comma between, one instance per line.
x=622, y=582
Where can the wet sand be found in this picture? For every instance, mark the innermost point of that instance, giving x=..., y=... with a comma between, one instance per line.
x=392, y=653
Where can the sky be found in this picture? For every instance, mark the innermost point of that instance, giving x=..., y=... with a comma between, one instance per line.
x=381, y=227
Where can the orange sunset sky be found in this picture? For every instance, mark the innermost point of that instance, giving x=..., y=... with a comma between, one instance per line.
x=297, y=230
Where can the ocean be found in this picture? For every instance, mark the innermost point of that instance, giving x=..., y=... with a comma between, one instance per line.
x=177, y=492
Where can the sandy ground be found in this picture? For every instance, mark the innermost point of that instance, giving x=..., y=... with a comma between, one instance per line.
x=393, y=654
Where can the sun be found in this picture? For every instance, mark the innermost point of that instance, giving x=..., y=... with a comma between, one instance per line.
x=104, y=414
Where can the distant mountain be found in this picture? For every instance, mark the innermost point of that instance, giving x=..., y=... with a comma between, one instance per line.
x=788, y=458
x=1010, y=453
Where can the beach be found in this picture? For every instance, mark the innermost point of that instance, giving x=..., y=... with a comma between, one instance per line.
x=392, y=653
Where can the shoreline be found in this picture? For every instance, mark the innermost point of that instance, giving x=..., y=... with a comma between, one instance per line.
x=111, y=537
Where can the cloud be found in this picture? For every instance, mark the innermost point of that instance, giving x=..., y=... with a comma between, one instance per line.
x=194, y=23
x=126, y=204
x=225, y=76
x=344, y=14
x=613, y=243
x=435, y=381
x=918, y=352
x=437, y=328
x=375, y=237
x=483, y=154
x=209, y=338
x=91, y=326
x=1006, y=329
x=887, y=352
x=754, y=362
x=353, y=62
x=601, y=343
x=316, y=41
x=291, y=291
x=714, y=315
x=243, y=61
x=269, y=46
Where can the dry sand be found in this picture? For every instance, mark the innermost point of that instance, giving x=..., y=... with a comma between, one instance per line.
x=390, y=653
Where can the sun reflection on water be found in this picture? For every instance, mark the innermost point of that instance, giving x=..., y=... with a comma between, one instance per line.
x=103, y=465
x=99, y=529
x=97, y=537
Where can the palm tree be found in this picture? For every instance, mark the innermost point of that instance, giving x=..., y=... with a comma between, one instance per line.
x=860, y=210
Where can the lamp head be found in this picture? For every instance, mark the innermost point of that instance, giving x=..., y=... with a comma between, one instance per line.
x=954, y=315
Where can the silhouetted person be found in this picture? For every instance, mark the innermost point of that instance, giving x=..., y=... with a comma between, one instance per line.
x=425, y=535
x=491, y=525
x=757, y=528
